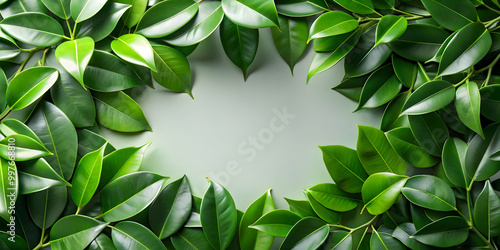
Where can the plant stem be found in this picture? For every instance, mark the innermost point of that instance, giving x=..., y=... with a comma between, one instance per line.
x=39, y=246
x=44, y=56
x=74, y=31
x=491, y=22
x=482, y=238
x=21, y=67
x=465, y=79
x=78, y=210
x=69, y=29
x=469, y=206
x=492, y=9
x=404, y=12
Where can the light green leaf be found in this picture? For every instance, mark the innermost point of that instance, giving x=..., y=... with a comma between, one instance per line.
x=37, y=175
x=332, y=23
x=75, y=231
x=87, y=176
x=390, y=28
x=12, y=126
x=75, y=55
x=330, y=196
x=135, y=49
x=290, y=39
x=134, y=14
x=381, y=190
x=174, y=72
x=452, y=14
x=249, y=237
x=468, y=105
x=22, y=148
x=132, y=235
x=308, y=233
x=251, y=13
x=59, y=7
x=82, y=10
x=32, y=28
x=277, y=222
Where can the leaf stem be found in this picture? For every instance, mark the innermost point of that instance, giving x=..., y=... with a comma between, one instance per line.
x=465, y=79
x=5, y=115
x=482, y=238
x=491, y=22
x=404, y=12
x=69, y=29
x=39, y=246
x=492, y=9
x=78, y=210
x=74, y=31
x=23, y=63
x=469, y=206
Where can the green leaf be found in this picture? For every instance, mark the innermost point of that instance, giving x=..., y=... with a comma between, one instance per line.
x=249, y=237
x=132, y=235
x=405, y=144
x=218, y=216
x=82, y=10
x=13, y=126
x=392, y=117
x=357, y=6
x=487, y=211
x=490, y=103
x=339, y=240
x=324, y=213
x=37, y=175
x=366, y=57
x=468, y=104
x=344, y=167
x=239, y=43
x=430, y=192
x=390, y=28
x=171, y=208
x=58, y=135
x=134, y=14
x=104, y=22
x=22, y=148
x=117, y=111
x=60, y=8
x=13, y=242
x=451, y=14
x=376, y=153
x=30, y=85
x=10, y=8
x=429, y=97
x=35, y=29
x=87, y=176
x=405, y=70
x=166, y=17
x=75, y=231
x=46, y=206
x=174, y=72
x=75, y=55
x=135, y=49
x=332, y=197
x=121, y=162
x=276, y=223
x=302, y=208
x=380, y=240
x=129, y=195
x=453, y=157
x=445, y=232
x=381, y=87
x=291, y=39
x=381, y=190
x=190, y=239
x=9, y=185
x=332, y=23
x=403, y=233
x=301, y=8
x=308, y=233
x=351, y=87
x=477, y=162
x=469, y=45
x=207, y=20
x=430, y=131
x=3, y=90
x=89, y=141
x=420, y=42
x=102, y=242
x=8, y=49
x=251, y=13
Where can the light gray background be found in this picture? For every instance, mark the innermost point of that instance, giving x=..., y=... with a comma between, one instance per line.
x=200, y=137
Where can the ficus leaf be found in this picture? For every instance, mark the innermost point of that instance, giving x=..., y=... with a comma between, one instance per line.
x=381, y=190
x=462, y=12
x=75, y=55
x=132, y=235
x=381, y=87
x=429, y=97
x=190, y=238
x=430, y=131
x=104, y=22
x=7, y=168
x=22, y=148
x=135, y=49
x=487, y=211
x=174, y=72
x=332, y=23
x=82, y=10
x=249, y=237
x=75, y=231
x=430, y=192
x=59, y=7
x=357, y=6
x=301, y=8
x=251, y=13
x=132, y=16
x=407, y=147
x=308, y=233
x=290, y=39
x=330, y=196
x=277, y=222
x=390, y=28
x=477, y=162
x=468, y=105
x=35, y=29
x=445, y=232
x=87, y=176
x=37, y=175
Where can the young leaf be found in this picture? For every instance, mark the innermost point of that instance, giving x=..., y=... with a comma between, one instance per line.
x=135, y=49
x=134, y=14
x=87, y=176
x=430, y=97
x=24, y=148
x=290, y=39
x=174, y=72
x=75, y=231
x=324, y=213
x=381, y=87
x=381, y=190
x=445, y=232
x=390, y=28
x=35, y=29
x=430, y=192
x=251, y=13
x=82, y=10
x=132, y=235
x=75, y=55
x=218, y=216
x=308, y=233
x=430, y=131
x=276, y=223
x=487, y=211
x=37, y=175
x=405, y=144
x=249, y=237
x=452, y=14
x=30, y=85
x=468, y=104
x=330, y=196
x=332, y=23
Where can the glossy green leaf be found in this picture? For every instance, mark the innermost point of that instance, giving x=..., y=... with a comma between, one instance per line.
x=58, y=135
x=357, y=6
x=430, y=192
x=365, y=57
x=134, y=14
x=8, y=49
x=339, y=240
x=166, y=17
x=445, y=232
x=302, y=208
x=351, y=87
x=249, y=237
x=277, y=222
x=61, y=8
x=301, y=8
x=344, y=167
x=451, y=14
x=390, y=28
x=89, y=141
x=332, y=23
x=13, y=242
x=45, y=207
x=487, y=211
x=392, y=117
x=405, y=70
x=218, y=216
x=207, y=20
x=420, y=42
x=135, y=49
x=35, y=29
x=490, y=102
x=30, y=85
x=117, y=111
x=469, y=45
x=477, y=162
x=291, y=39
x=3, y=90
x=132, y=235
x=87, y=176
x=101, y=242
x=37, y=175
x=104, y=22
x=129, y=195
x=82, y=10
x=332, y=197
x=381, y=87
x=429, y=97
x=321, y=211
x=10, y=8
x=308, y=233
x=430, y=131
x=171, y=209
x=468, y=105
x=376, y=153
x=190, y=239
x=342, y=45
x=381, y=190
x=239, y=43
x=407, y=147
x=453, y=157
x=75, y=55
x=75, y=231
x=251, y=13
x=382, y=240
x=174, y=72
x=23, y=147
x=403, y=233
x=121, y=162
x=9, y=182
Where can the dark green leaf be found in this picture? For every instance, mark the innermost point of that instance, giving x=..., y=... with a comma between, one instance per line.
x=10, y=8
x=445, y=232
x=403, y=233
x=487, y=211
x=451, y=14
x=102, y=242
x=453, y=157
x=37, y=175
x=131, y=235
x=174, y=72
x=490, y=102
x=405, y=70
x=22, y=148
x=430, y=131
x=35, y=29
x=338, y=240
x=12, y=242
x=324, y=213
x=332, y=23
x=59, y=7
x=8, y=50
x=308, y=233
x=390, y=28
x=251, y=13
x=75, y=231
x=351, y=87
x=104, y=22
x=46, y=206
x=381, y=190
x=82, y=10
x=277, y=222
x=405, y=144
x=330, y=196
x=392, y=117
x=301, y=8
x=249, y=237
x=381, y=87
x=357, y=6
x=290, y=39
x=468, y=105
x=430, y=192
x=381, y=240
x=477, y=162
x=87, y=176
x=429, y=97
x=190, y=239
